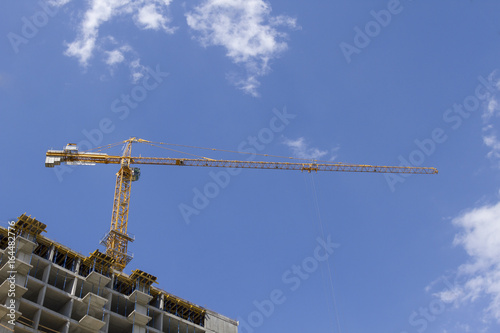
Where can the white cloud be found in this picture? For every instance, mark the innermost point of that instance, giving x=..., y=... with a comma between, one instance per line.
x=99, y=12
x=147, y=14
x=480, y=237
x=246, y=29
x=301, y=149
x=114, y=57
x=151, y=17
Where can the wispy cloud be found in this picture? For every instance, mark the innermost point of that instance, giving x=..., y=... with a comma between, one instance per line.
x=492, y=142
x=58, y=2
x=491, y=108
x=137, y=70
x=490, y=117
x=301, y=149
x=146, y=14
x=115, y=55
x=480, y=237
x=248, y=32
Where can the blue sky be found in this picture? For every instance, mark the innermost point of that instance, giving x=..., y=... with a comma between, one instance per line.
x=368, y=82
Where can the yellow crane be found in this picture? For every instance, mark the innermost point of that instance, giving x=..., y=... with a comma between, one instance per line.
x=116, y=240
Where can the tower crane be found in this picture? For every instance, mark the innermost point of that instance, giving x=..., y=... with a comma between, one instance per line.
x=117, y=239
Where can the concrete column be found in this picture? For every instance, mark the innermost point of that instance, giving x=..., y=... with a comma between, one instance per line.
x=21, y=279
x=139, y=329
x=73, y=287
x=106, y=320
x=67, y=308
x=107, y=306
x=36, y=318
x=51, y=253
x=77, y=266
x=46, y=273
x=41, y=295
x=65, y=328
x=162, y=301
x=159, y=322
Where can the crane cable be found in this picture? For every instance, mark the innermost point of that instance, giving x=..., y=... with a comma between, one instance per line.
x=320, y=220
x=244, y=152
x=178, y=151
x=159, y=144
x=112, y=145
x=101, y=148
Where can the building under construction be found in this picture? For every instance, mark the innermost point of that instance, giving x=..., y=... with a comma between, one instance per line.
x=48, y=287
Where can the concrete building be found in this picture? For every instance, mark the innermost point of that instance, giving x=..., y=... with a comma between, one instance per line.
x=47, y=287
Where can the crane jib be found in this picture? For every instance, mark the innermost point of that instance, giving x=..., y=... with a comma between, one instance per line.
x=309, y=167
x=117, y=239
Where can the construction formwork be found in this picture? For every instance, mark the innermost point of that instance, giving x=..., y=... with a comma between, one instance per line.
x=47, y=287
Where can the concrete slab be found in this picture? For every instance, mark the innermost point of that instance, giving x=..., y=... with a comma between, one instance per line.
x=18, y=267
x=92, y=323
x=95, y=300
x=4, y=311
x=18, y=292
x=25, y=245
x=97, y=279
x=138, y=318
x=140, y=297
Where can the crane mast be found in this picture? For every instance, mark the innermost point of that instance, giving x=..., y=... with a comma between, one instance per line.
x=116, y=240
